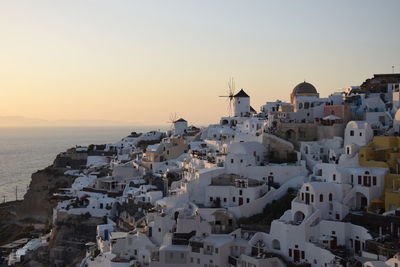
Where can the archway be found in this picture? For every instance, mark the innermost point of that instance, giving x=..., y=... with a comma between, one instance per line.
x=298, y=216
x=361, y=201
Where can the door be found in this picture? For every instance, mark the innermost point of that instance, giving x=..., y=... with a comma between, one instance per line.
x=307, y=198
x=357, y=246
x=333, y=242
x=296, y=255
x=364, y=202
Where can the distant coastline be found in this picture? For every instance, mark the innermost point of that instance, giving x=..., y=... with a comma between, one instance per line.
x=20, y=121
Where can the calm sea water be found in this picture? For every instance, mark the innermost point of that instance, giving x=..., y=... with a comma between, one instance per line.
x=23, y=151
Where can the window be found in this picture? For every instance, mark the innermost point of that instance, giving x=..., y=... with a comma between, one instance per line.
x=232, y=161
x=302, y=254
x=234, y=199
x=330, y=197
x=351, y=133
x=321, y=198
x=224, y=199
x=198, y=261
x=241, y=160
x=159, y=229
x=373, y=180
x=290, y=252
x=135, y=251
x=240, y=192
x=216, y=250
x=211, y=199
x=248, y=200
x=360, y=133
x=312, y=198
x=359, y=179
x=334, y=177
x=191, y=259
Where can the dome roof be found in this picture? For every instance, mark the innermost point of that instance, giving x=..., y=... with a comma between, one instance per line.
x=304, y=88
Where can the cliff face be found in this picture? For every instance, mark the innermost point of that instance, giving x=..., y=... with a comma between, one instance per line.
x=38, y=202
x=67, y=242
x=69, y=236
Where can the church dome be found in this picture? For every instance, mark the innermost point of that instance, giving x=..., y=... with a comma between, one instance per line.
x=304, y=88
x=397, y=116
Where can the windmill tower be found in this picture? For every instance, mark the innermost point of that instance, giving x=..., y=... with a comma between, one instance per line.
x=178, y=126
x=241, y=104
x=230, y=95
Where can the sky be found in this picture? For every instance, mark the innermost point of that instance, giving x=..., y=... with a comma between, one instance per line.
x=141, y=61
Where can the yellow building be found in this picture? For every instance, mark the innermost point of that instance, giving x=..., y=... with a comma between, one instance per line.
x=384, y=152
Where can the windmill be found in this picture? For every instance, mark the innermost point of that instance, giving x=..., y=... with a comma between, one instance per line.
x=231, y=93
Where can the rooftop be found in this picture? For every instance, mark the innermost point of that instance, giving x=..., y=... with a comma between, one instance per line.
x=241, y=93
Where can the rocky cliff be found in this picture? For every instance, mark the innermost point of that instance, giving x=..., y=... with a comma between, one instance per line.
x=39, y=202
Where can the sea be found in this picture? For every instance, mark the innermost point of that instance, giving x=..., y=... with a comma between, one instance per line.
x=23, y=150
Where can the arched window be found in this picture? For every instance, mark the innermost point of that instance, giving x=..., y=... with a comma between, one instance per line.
x=276, y=244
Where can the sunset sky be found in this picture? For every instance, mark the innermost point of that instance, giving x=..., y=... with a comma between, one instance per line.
x=140, y=61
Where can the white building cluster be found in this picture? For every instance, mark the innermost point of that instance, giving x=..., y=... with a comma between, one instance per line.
x=197, y=197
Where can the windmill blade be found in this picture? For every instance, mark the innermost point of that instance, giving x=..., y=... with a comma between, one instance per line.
x=173, y=117
x=231, y=87
x=230, y=94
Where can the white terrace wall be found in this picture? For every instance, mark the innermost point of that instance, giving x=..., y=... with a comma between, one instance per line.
x=258, y=205
x=281, y=173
